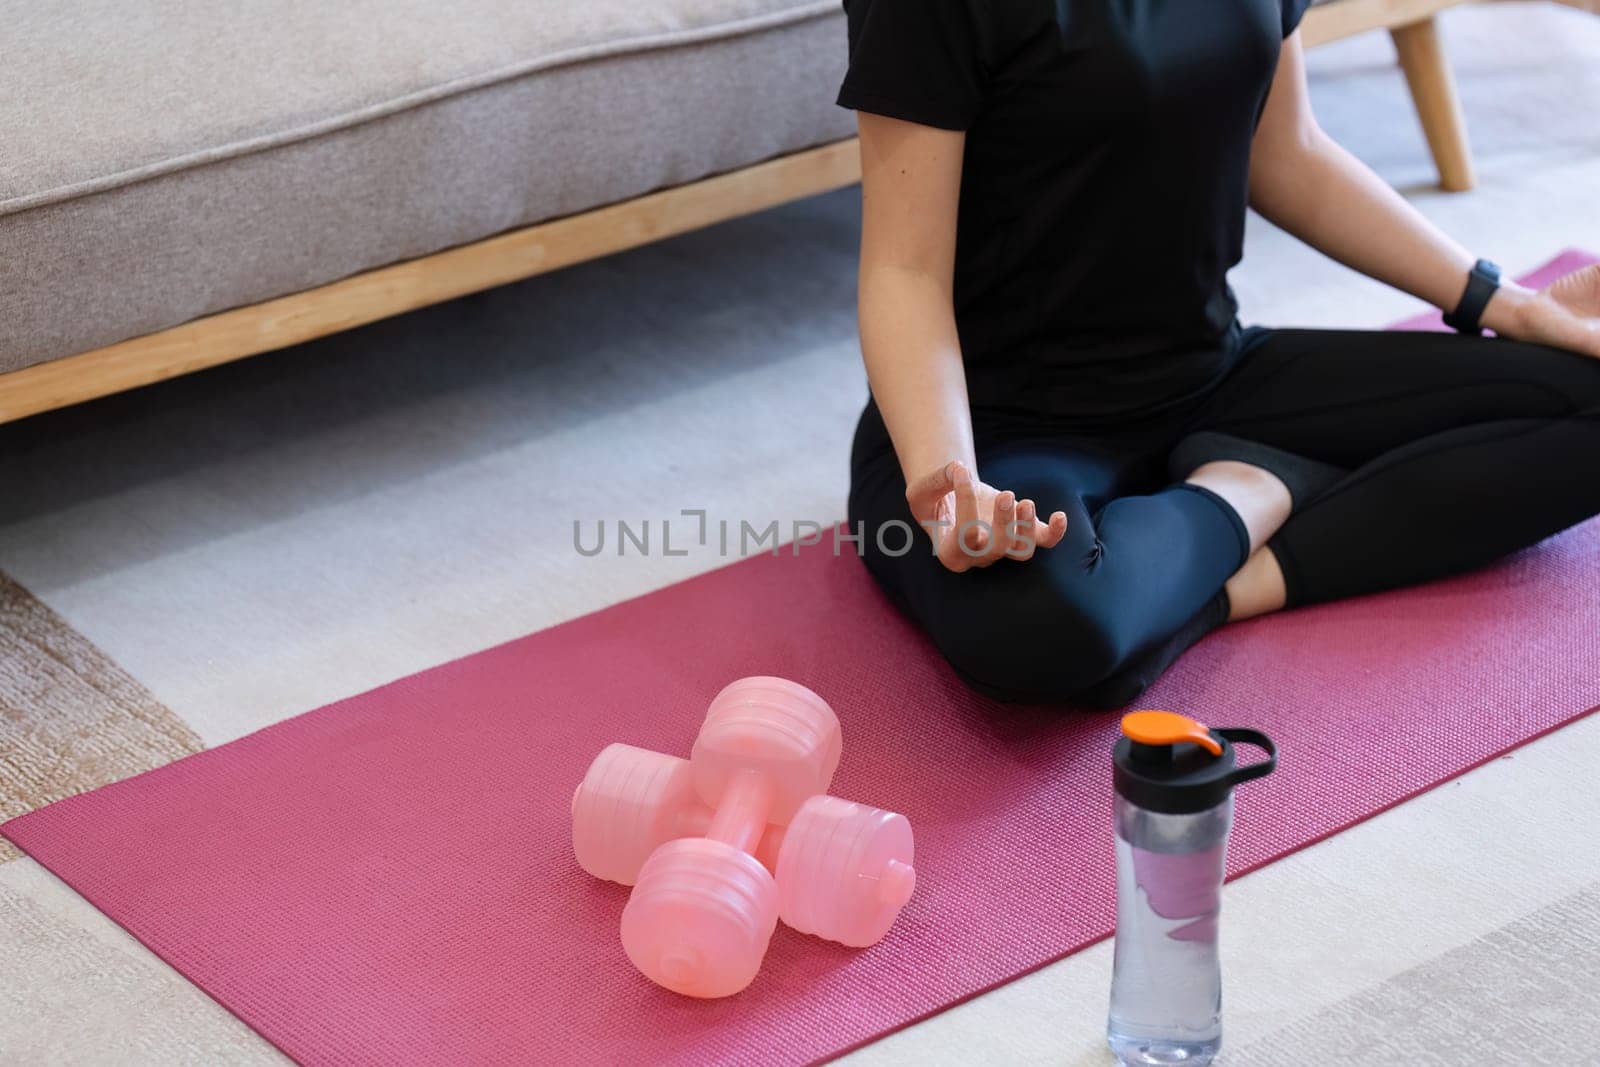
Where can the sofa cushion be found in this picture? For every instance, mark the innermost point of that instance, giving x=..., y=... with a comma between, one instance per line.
x=168, y=160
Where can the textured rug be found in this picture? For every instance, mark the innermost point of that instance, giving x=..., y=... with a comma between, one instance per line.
x=70, y=718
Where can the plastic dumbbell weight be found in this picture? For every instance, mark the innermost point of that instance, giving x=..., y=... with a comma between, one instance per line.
x=683, y=832
x=845, y=870
x=703, y=909
x=630, y=803
x=633, y=800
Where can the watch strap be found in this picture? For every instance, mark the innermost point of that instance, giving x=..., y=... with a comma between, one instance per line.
x=1482, y=281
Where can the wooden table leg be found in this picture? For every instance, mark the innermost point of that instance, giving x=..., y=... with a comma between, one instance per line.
x=1433, y=89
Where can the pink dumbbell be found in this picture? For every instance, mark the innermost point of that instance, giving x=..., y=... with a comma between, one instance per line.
x=719, y=846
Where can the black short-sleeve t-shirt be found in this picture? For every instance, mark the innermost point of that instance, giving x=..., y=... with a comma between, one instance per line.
x=1104, y=181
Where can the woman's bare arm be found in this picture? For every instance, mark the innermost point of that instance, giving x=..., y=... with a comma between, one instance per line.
x=910, y=190
x=1303, y=181
x=910, y=183
x=1306, y=183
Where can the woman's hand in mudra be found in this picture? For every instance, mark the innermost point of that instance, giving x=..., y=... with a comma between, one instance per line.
x=973, y=524
x=1564, y=314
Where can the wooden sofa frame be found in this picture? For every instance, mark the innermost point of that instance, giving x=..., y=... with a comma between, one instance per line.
x=547, y=246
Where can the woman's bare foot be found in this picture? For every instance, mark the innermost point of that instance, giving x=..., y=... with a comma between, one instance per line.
x=1257, y=588
x=1259, y=496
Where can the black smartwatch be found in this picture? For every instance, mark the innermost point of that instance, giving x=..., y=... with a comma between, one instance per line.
x=1482, y=281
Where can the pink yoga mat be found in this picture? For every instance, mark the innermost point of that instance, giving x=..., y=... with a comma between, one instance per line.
x=389, y=880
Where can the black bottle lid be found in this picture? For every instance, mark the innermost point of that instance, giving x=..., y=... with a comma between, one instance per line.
x=1169, y=763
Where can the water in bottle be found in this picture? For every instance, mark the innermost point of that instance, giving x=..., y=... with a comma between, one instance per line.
x=1174, y=806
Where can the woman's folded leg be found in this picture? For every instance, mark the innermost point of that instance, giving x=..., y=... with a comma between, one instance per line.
x=1462, y=450
x=1134, y=568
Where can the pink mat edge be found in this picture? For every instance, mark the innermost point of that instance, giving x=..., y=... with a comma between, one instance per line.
x=1560, y=264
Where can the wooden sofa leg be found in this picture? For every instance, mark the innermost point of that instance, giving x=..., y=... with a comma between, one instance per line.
x=1433, y=89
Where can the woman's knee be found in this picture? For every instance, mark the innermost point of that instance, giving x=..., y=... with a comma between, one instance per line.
x=1046, y=654
x=1016, y=631
x=1576, y=378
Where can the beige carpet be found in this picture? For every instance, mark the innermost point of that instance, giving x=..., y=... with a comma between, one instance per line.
x=74, y=989
x=267, y=537
x=1528, y=992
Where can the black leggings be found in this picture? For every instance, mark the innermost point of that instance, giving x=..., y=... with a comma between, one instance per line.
x=1460, y=450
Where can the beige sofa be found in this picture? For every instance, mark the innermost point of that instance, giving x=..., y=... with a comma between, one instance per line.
x=184, y=184
x=170, y=161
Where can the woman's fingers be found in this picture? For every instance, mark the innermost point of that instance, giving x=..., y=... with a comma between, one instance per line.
x=931, y=499
x=1023, y=535
x=973, y=526
x=1032, y=534
x=1003, y=524
x=1054, y=530
x=949, y=549
x=969, y=538
x=923, y=494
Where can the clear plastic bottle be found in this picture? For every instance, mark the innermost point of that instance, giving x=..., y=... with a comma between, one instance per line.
x=1174, y=808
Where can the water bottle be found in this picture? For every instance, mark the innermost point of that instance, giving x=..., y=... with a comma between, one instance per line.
x=1174, y=782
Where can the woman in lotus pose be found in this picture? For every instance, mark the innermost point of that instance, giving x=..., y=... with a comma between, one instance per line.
x=1107, y=465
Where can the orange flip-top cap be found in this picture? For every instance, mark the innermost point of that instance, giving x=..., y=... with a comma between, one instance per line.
x=1167, y=728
